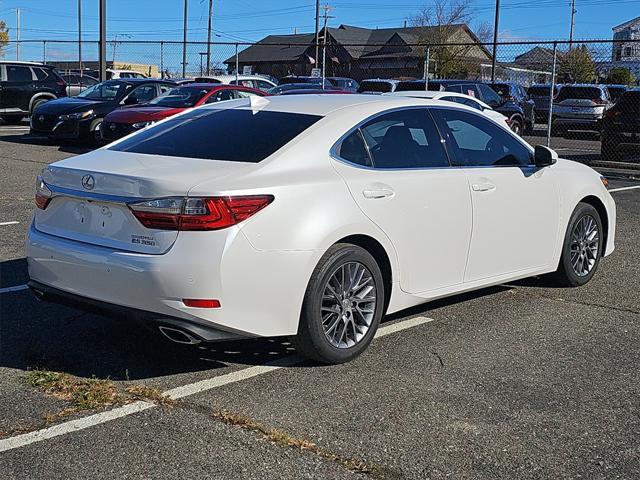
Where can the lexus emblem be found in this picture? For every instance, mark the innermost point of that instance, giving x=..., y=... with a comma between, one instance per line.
x=88, y=182
x=41, y=118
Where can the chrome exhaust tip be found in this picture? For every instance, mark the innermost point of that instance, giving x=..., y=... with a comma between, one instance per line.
x=179, y=336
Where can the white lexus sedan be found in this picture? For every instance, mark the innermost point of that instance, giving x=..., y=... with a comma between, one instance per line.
x=309, y=216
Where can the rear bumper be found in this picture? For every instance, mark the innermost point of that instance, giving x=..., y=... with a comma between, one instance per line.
x=199, y=331
x=220, y=265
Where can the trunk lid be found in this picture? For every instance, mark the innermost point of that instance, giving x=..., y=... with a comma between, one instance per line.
x=91, y=193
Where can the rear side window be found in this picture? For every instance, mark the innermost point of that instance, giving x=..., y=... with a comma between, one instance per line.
x=235, y=135
x=405, y=139
x=354, y=150
x=41, y=73
x=18, y=73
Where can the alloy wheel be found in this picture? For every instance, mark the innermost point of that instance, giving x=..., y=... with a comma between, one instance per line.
x=348, y=304
x=585, y=245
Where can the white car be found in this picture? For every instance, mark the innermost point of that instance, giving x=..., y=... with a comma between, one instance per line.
x=458, y=98
x=310, y=216
x=252, y=81
x=113, y=73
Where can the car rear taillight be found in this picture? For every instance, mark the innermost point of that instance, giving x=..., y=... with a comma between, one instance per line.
x=192, y=214
x=43, y=194
x=612, y=114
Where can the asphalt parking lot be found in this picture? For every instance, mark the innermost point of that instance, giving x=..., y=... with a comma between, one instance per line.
x=517, y=381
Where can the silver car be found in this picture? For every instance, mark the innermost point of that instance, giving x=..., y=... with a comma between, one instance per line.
x=77, y=83
x=580, y=107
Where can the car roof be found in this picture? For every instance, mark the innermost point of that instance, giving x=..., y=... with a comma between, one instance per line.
x=433, y=94
x=19, y=62
x=381, y=80
x=323, y=105
x=143, y=80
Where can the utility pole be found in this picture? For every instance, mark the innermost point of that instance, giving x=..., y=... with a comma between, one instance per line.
x=209, y=38
x=184, y=41
x=326, y=9
x=17, y=34
x=573, y=14
x=317, y=38
x=80, y=39
x=102, y=49
x=495, y=42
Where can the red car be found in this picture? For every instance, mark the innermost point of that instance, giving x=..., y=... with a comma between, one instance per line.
x=126, y=120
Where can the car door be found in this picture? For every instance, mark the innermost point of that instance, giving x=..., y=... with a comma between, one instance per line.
x=515, y=205
x=398, y=172
x=16, y=91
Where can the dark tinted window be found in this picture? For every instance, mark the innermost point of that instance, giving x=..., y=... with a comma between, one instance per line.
x=41, y=73
x=476, y=142
x=539, y=91
x=501, y=89
x=16, y=73
x=579, y=93
x=382, y=87
x=144, y=93
x=354, y=150
x=630, y=102
x=464, y=101
x=405, y=139
x=457, y=89
x=220, y=134
x=489, y=96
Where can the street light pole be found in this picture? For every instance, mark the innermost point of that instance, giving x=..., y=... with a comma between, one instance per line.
x=80, y=39
x=209, y=38
x=102, y=49
x=573, y=14
x=184, y=41
x=495, y=42
x=317, y=25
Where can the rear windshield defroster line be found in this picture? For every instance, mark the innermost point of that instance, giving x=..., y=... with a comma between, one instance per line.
x=236, y=135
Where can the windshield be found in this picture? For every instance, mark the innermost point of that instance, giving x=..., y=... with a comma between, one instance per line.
x=104, y=91
x=182, y=97
x=236, y=135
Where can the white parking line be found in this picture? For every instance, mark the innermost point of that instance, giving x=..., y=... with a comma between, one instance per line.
x=622, y=189
x=2, y=224
x=17, y=288
x=179, y=392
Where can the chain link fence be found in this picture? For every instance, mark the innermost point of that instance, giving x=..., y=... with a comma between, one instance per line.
x=570, y=96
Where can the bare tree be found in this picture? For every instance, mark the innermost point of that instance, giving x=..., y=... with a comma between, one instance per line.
x=446, y=23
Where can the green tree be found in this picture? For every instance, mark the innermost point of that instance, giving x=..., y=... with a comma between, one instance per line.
x=4, y=37
x=621, y=76
x=576, y=66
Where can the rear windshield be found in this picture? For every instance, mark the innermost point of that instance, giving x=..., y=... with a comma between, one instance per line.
x=630, y=101
x=220, y=134
x=579, y=93
x=383, y=87
x=419, y=86
x=539, y=91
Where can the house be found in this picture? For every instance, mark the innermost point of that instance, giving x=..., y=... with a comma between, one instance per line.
x=624, y=47
x=538, y=58
x=365, y=53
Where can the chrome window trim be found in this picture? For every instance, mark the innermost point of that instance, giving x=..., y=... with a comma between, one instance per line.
x=93, y=196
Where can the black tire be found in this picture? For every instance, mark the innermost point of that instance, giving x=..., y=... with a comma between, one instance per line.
x=12, y=119
x=516, y=125
x=566, y=275
x=311, y=340
x=37, y=103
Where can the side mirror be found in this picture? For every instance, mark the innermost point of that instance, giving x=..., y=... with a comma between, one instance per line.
x=131, y=100
x=544, y=156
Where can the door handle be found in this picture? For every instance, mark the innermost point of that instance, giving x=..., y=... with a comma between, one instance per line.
x=382, y=193
x=483, y=187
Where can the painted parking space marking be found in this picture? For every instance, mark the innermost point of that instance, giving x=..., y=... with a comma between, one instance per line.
x=179, y=392
x=16, y=288
x=2, y=224
x=622, y=189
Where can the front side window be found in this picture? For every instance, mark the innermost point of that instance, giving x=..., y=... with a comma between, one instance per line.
x=404, y=139
x=245, y=94
x=232, y=134
x=221, y=96
x=17, y=73
x=181, y=97
x=476, y=142
x=144, y=93
x=489, y=96
x=262, y=85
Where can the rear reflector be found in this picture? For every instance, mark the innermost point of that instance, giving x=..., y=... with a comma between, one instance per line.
x=201, y=303
x=193, y=214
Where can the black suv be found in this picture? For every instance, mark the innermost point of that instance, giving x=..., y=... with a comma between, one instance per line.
x=514, y=113
x=621, y=128
x=24, y=86
x=514, y=93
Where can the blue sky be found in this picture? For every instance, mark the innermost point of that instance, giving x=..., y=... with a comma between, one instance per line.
x=250, y=20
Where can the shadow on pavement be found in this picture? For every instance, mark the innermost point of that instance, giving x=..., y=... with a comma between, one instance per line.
x=67, y=146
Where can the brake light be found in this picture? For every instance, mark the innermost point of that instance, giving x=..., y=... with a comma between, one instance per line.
x=43, y=194
x=198, y=214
